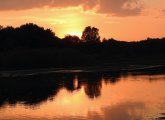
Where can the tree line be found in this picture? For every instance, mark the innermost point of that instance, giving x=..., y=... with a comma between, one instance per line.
x=32, y=45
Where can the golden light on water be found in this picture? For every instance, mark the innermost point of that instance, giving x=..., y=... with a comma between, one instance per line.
x=115, y=99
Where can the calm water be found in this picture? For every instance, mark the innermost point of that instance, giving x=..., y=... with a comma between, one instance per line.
x=83, y=97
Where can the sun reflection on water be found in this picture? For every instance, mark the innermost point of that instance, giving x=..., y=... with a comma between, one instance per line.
x=127, y=99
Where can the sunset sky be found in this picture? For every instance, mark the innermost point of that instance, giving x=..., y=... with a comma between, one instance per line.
x=120, y=19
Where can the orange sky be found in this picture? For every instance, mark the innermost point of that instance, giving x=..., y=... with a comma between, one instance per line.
x=120, y=19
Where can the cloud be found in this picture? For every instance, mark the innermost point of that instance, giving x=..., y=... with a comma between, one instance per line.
x=90, y=4
x=29, y=4
x=22, y=4
x=121, y=111
x=163, y=11
x=120, y=7
x=111, y=7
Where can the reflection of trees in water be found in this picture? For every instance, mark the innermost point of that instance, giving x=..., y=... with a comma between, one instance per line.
x=93, y=82
x=32, y=90
x=92, y=85
x=161, y=116
x=36, y=89
x=93, y=90
x=28, y=91
x=112, y=78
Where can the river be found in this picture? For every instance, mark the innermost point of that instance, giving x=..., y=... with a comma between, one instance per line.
x=112, y=96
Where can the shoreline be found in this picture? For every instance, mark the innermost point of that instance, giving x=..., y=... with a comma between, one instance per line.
x=87, y=69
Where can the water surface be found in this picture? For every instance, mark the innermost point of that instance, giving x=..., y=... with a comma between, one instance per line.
x=83, y=97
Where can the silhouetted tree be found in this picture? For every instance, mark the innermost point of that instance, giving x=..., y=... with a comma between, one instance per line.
x=71, y=39
x=6, y=37
x=32, y=35
x=91, y=34
x=27, y=36
x=1, y=27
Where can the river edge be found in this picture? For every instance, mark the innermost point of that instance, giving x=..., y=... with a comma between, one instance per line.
x=93, y=69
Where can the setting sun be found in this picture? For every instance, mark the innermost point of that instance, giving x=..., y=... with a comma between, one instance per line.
x=76, y=34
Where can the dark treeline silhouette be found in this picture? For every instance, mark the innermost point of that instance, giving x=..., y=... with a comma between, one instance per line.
x=30, y=46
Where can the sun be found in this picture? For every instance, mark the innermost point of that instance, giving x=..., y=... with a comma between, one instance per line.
x=75, y=33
